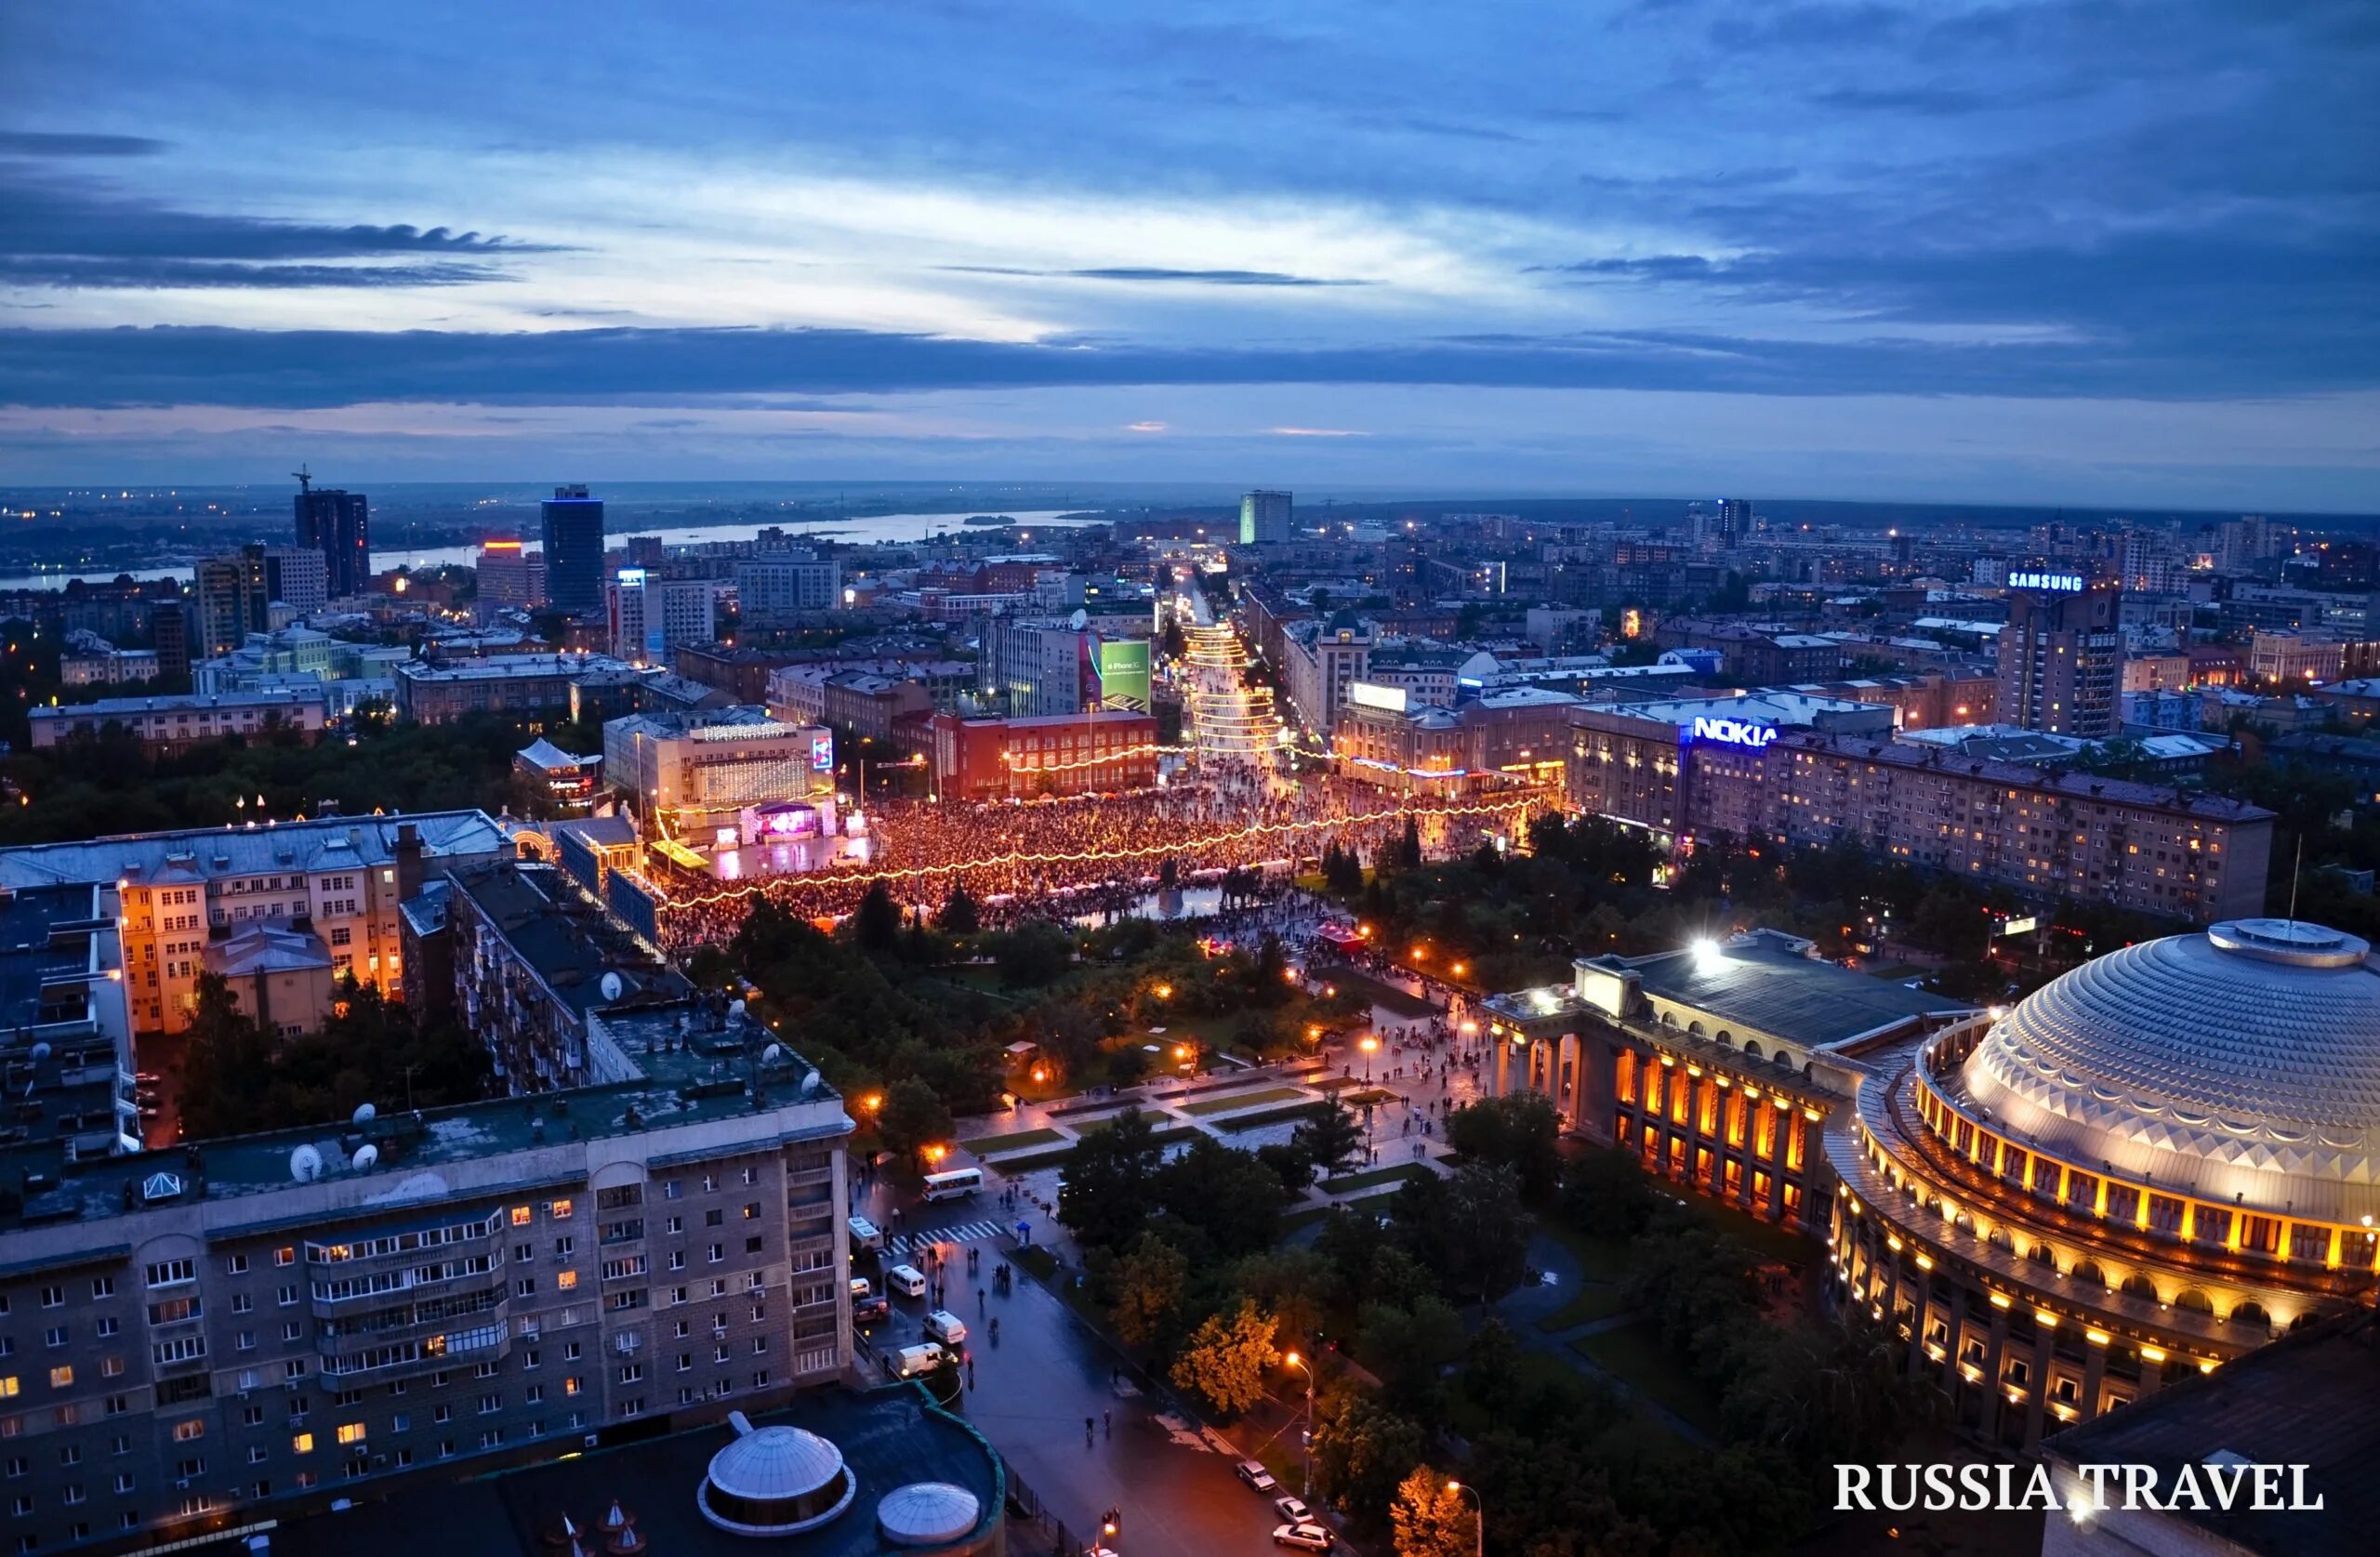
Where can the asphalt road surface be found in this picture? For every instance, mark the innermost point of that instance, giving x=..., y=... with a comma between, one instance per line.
x=1035, y=1387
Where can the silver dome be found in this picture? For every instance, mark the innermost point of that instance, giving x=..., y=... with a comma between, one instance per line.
x=2241, y=1066
x=773, y=1481
x=928, y=1513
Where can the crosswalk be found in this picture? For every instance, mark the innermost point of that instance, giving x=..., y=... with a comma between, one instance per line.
x=965, y=1232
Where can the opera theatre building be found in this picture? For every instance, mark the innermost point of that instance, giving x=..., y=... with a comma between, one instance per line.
x=2150, y=1167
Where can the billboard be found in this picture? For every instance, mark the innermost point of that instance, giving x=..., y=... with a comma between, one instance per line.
x=1121, y=667
x=822, y=752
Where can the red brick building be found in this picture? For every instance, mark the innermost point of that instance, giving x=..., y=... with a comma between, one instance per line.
x=1055, y=754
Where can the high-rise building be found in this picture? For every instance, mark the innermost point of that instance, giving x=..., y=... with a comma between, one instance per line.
x=775, y=588
x=338, y=524
x=646, y=551
x=169, y=627
x=649, y=616
x=1734, y=521
x=2062, y=655
x=1265, y=517
x=573, y=536
x=296, y=576
x=231, y=601
x=511, y=575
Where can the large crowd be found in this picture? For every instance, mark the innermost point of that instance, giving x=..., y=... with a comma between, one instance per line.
x=1066, y=858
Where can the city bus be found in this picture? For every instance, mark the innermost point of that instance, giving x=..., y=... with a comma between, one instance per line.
x=956, y=1184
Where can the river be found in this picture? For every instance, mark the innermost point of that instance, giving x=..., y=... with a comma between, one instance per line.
x=861, y=530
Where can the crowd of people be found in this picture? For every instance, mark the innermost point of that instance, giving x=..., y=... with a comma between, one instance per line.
x=1098, y=854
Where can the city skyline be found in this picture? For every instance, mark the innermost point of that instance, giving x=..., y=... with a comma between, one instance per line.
x=2011, y=254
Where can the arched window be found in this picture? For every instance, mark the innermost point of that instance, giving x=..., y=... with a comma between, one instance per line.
x=2139, y=1285
x=1726, y=1039
x=2089, y=1274
x=2040, y=1254
x=1752, y=1049
x=2252, y=1315
x=2190, y=1299
x=1694, y=1028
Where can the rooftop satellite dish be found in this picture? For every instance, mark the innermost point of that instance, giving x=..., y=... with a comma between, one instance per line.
x=41, y=1052
x=365, y=1158
x=809, y=1087
x=772, y=1054
x=734, y=1014
x=612, y=986
x=305, y=1165
x=366, y=1114
x=1079, y=620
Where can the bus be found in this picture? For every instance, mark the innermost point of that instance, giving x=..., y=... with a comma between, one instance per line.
x=954, y=1185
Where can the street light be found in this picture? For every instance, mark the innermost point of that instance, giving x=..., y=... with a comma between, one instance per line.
x=1478, y=1518
x=1307, y=1438
x=1369, y=1045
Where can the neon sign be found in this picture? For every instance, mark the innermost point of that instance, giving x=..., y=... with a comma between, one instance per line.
x=2054, y=583
x=1733, y=732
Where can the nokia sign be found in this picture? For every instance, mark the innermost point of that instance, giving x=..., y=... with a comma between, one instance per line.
x=1734, y=732
x=2056, y=582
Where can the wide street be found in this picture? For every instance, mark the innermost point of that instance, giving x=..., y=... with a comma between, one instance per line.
x=1035, y=1387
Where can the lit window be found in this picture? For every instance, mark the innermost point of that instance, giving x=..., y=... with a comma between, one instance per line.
x=350, y=1433
x=521, y=1216
x=559, y=1210
x=566, y=1280
x=303, y=1443
x=60, y=1378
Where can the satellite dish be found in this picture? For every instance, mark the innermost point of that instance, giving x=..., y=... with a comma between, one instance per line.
x=41, y=1052
x=366, y=1114
x=612, y=986
x=772, y=1054
x=1079, y=620
x=735, y=1013
x=366, y=1157
x=809, y=1087
x=305, y=1165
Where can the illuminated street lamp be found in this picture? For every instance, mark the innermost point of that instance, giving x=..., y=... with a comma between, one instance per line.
x=1479, y=1516
x=1370, y=1045
x=1306, y=1437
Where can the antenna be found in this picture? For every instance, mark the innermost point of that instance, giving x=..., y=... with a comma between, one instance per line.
x=2295, y=872
x=305, y=478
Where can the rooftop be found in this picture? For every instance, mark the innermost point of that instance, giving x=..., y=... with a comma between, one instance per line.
x=564, y=935
x=2079, y=786
x=2310, y=1399
x=110, y=707
x=1766, y=982
x=205, y=853
x=494, y=667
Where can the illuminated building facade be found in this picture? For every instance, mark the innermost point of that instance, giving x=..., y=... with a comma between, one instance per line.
x=1075, y=754
x=511, y=575
x=2150, y=1167
x=721, y=760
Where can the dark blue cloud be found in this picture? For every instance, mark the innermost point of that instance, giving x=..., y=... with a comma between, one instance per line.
x=54, y=143
x=1157, y=273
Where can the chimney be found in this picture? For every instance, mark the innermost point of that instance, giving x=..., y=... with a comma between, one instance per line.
x=408, y=862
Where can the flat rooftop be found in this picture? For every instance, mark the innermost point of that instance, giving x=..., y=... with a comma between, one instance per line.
x=1760, y=982
x=326, y=843
x=2310, y=1399
x=890, y=1438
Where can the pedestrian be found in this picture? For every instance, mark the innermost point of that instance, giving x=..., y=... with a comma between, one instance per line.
x=979, y=1300
x=970, y=1373
x=1087, y=1439
x=1107, y=1423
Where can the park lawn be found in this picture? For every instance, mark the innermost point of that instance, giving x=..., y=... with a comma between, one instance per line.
x=1365, y=987
x=1375, y=1176
x=1633, y=1354
x=1205, y=1106
x=1590, y=1301
x=1264, y=1116
x=1333, y=1083
x=1016, y=1140
x=1603, y=1259
x=1372, y=1095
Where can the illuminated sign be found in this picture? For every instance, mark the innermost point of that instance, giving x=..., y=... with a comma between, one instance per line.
x=2020, y=927
x=2056, y=582
x=1121, y=666
x=1370, y=695
x=1733, y=732
x=631, y=578
x=822, y=753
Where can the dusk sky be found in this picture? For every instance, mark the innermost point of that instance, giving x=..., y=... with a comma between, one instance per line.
x=2105, y=253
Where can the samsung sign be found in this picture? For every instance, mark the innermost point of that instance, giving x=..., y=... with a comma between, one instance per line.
x=2056, y=582
x=1733, y=732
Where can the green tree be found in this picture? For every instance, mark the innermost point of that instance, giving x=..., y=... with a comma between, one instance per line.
x=1469, y=1230
x=1295, y=1285
x=1032, y=955
x=1226, y=1359
x=913, y=1117
x=1289, y=1164
x=959, y=915
x=227, y=1065
x=1409, y=848
x=1362, y=1450
x=1329, y=1136
x=1409, y=1349
x=875, y=924
x=1491, y=1362
x=1108, y=1186
x=1429, y=1518
x=1520, y=1131
x=1149, y=1280
x=1224, y=1193
x=1606, y=1195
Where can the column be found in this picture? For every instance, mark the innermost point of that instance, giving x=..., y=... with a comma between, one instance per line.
x=2094, y=1378
x=1495, y=1078
x=1995, y=1354
x=2037, y=1399
x=1569, y=1061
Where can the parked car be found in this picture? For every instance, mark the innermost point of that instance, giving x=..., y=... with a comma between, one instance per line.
x=947, y=1327
x=907, y=1280
x=1305, y=1538
x=871, y=1311
x=1294, y=1510
x=910, y=1360
x=1255, y=1475
x=861, y=1287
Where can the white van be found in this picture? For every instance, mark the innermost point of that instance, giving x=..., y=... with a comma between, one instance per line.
x=907, y=1280
x=865, y=1233
x=910, y=1360
x=947, y=1327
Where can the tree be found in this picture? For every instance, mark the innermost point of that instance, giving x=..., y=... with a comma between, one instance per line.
x=227, y=1068
x=1032, y=955
x=1289, y=1164
x=959, y=915
x=1430, y=1518
x=1148, y=1281
x=875, y=924
x=913, y=1117
x=1108, y=1185
x=1605, y=1195
x=1408, y=849
x=1224, y=1193
x=1226, y=1360
x=1329, y=1136
x=1491, y=1362
x=1362, y=1450
x=1469, y=1230
x=1519, y=1130
x=1296, y=1285
x=1410, y=1349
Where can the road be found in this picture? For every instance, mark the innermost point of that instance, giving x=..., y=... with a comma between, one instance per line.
x=1045, y=1373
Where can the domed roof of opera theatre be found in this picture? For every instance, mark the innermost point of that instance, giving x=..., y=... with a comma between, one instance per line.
x=2241, y=1063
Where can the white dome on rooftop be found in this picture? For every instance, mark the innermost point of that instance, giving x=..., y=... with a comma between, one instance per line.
x=774, y=1481
x=2242, y=1065
x=928, y=1513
